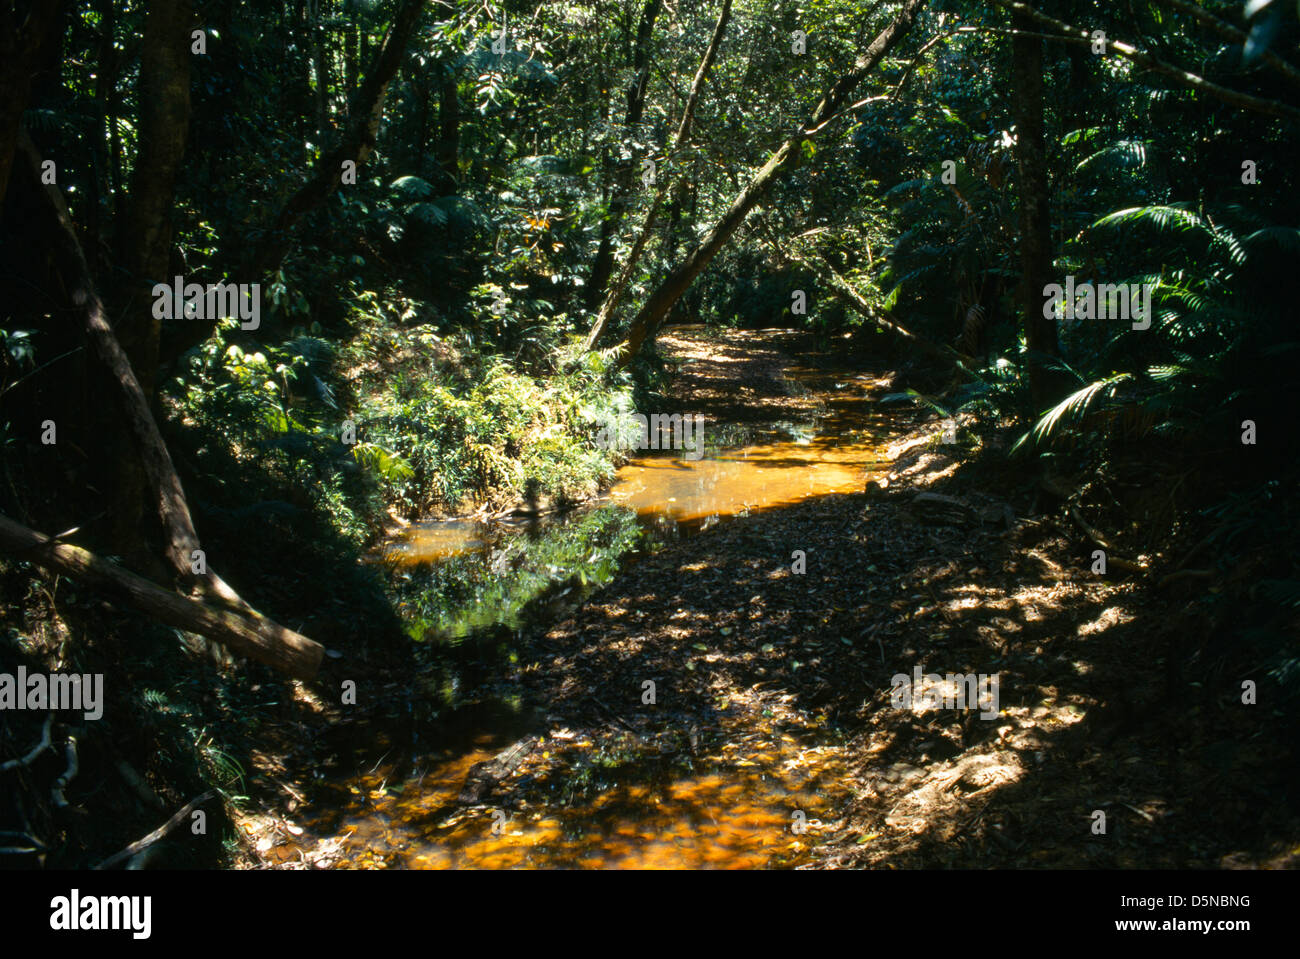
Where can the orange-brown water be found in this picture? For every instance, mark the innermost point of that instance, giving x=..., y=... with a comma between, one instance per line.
x=742, y=811
x=791, y=463
x=733, y=806
x=739, y=481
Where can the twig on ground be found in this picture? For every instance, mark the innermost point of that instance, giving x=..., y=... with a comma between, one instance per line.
x=158, y=833
x=1121, y=564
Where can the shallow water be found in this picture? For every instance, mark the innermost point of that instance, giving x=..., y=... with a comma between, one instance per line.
x=778, y=464
x=739, y=801
x=734, y=809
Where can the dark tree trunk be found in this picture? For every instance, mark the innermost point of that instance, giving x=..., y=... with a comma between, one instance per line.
x=351, y=53
x=111, y=114
x=52, y=226
x=448, y=150
x=145, y=237
x=420, y=82
x=625, y=169
x=297, y=81
x=320, y=66
x=23, y=29
x=105, y=80
x=1035, y=212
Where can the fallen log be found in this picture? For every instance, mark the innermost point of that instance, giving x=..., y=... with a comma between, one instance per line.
x=245, y=633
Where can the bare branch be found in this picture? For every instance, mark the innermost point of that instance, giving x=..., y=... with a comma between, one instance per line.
x=1225, y=29
x=158, y=833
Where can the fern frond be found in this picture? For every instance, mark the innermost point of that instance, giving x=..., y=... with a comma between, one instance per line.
x=1161, y=217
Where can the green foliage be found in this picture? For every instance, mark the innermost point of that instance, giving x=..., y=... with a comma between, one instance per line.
x=1071, y=410
x=273, y=411
x=489, y=432
x=1202, y=354
x=437, y=434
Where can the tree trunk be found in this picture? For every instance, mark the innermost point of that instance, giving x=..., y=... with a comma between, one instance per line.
x=320, y=67
x=364, y=113
x=111, y=115
x=420, y=82
x=785, y=158
x=145, y=238
x=351, y=53
x=625, y=169
x=448, y=150
x=22, y=34
x=182, y=542
x=106, y=115
x=683, y=131
x=1035, y=212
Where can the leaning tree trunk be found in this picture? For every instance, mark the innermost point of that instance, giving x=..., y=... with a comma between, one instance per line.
x=53, y=224
x=785, y=158
x=1035, y=213
x=365, y=110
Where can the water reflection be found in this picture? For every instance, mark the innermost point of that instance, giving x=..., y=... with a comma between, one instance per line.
x=756, y=477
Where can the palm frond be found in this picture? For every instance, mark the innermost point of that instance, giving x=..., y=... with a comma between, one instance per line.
x=1123, y=155
x=1070, y=410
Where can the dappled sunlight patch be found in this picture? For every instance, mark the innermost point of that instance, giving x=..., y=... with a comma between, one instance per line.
x=951, y=785
x=964, y=603
x=1036, y=602
x=928, y=470
x=1005, y=625
x=1053, y=568
x=1109, y=618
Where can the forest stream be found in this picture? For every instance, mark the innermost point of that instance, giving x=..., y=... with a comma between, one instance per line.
x=694, y=669
x=746, y=787
x=647, y=435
